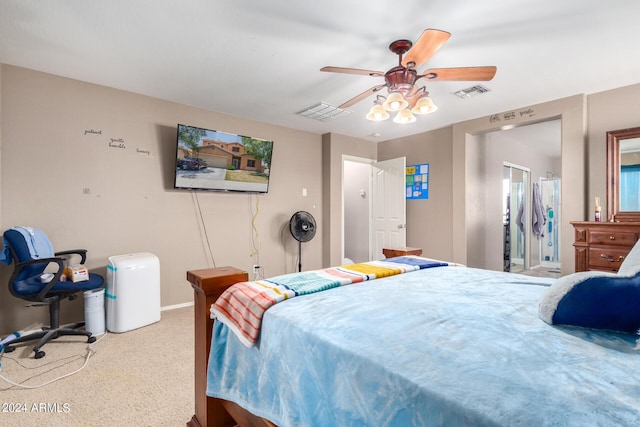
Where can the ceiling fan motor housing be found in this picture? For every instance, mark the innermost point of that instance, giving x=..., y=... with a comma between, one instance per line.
x=400, y=79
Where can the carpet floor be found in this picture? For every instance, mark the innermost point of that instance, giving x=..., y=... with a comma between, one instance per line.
x=141, y=377
x=540, y=271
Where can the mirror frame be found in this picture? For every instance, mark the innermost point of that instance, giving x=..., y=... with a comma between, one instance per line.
x=613, y=174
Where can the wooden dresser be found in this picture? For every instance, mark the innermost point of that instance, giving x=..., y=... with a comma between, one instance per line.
x=603, y=245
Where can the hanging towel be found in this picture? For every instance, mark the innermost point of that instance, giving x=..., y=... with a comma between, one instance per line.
x=538, y=216
x=520, y=216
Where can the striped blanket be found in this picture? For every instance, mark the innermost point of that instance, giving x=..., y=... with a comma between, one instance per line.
x=242, y=306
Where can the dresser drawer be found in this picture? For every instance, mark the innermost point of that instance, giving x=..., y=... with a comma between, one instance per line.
x=613, y=238
x=606, y=258
x=603, y=245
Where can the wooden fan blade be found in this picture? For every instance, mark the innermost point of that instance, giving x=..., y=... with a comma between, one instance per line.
x=427, y=44
x=360, y=97
x=461, y=73
x=353, y=71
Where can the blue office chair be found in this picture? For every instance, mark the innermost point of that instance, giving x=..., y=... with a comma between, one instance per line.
x=32, y=252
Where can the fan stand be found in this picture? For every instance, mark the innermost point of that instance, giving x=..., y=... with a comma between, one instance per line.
x=299, y=256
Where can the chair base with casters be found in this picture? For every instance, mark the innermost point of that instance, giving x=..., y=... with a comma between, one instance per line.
x=51, y=332
x=32, y=253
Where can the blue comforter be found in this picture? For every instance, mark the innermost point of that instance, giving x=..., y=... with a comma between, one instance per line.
x=447, y=346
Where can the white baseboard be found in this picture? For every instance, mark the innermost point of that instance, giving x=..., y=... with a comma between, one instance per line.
x=175, y=306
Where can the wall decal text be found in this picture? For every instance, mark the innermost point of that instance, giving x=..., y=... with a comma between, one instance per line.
x=511, y=115
x=117, y=143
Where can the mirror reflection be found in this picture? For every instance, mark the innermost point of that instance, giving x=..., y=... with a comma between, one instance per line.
x=550, y=242
x=623, y=200
x=630, y=175
x=515, y=220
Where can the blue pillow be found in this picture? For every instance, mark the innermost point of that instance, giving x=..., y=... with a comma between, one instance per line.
x=593, y=299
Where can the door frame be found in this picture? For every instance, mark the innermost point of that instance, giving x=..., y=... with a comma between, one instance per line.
x=527, y=211
x=371, y=163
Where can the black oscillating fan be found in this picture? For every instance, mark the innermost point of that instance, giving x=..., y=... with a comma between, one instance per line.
x=302, y=226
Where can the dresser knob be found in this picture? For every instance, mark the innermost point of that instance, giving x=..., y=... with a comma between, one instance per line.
x=612, y=237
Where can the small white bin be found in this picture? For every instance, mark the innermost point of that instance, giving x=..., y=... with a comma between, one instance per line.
x=133, y=291
x=94, y=315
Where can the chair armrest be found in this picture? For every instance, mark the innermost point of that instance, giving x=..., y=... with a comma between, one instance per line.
x=81, y=252
x=57, y=260
x=56, y=276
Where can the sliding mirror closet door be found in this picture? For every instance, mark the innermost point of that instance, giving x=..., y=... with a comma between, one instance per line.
x=515, y=190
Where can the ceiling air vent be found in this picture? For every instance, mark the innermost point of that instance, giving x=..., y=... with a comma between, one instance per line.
x=472, y=91
x=323, y=112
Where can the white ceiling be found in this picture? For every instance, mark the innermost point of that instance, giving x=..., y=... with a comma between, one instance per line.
x=261, y=59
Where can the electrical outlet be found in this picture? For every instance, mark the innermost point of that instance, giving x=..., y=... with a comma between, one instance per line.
x=256, y=268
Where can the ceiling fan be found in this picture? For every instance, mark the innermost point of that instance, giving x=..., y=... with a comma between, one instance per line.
x=405, y=95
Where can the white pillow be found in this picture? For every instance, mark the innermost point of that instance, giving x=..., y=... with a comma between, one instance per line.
x=631, y=264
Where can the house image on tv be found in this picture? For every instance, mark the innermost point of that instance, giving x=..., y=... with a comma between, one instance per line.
x=226, y=155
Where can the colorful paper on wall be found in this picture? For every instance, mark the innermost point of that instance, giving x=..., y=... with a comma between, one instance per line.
x=417, y=186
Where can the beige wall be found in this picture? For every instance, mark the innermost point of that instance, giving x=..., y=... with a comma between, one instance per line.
x=610, y=110
x=429, y=222
x=1, y=103
x=335, y=148
x=48, y=160
x=572, y=112
x=441, y=225
x=495, y=149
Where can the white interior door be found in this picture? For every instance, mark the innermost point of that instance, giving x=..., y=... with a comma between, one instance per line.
x=388, y=206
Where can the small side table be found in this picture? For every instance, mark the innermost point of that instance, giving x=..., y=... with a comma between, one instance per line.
x=394, y=252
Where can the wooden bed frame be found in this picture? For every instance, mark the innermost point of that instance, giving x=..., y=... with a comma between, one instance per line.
x=208, y=285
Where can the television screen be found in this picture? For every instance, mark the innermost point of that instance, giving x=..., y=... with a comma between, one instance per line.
x=213, y=160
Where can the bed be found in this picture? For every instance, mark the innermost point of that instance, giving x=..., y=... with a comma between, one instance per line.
x=444, y=345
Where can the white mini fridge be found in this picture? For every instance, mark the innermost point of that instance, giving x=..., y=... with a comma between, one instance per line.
x=132, y=291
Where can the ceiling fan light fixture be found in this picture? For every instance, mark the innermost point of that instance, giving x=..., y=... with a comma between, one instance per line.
x=401, y=81
x=424, y=105
x=377, y=113
x=404, y=117
x=395, y=102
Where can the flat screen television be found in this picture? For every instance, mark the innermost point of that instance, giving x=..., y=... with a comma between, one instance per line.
x=220, y=161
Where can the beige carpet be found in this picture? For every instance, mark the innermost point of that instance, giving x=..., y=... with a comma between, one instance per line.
x=141, y=377
x=540, y=271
